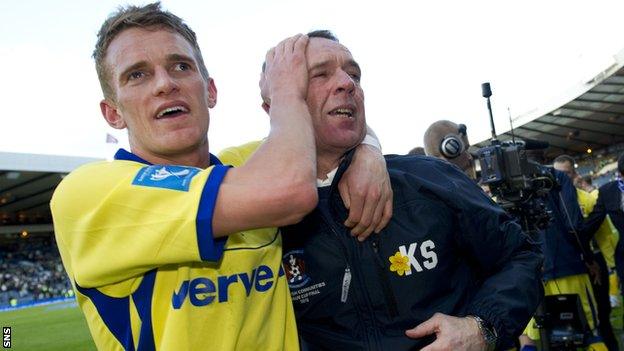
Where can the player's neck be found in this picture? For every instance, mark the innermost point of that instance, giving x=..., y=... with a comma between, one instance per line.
x=199, y=157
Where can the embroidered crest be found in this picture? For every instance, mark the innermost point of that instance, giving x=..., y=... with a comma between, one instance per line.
x=167, y=177
x=294, y=265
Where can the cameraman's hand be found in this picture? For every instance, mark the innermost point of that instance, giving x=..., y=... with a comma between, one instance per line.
x=594, y=272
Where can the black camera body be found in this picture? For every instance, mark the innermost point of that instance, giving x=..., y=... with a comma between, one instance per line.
x=564, y=321
x=518, y=185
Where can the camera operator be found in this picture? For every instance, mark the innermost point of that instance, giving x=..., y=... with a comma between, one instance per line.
x=449, y=141
x=603, y=247
x=566, y=258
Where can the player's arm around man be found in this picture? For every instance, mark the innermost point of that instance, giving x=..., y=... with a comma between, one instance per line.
x=289, y=148
x=98, y=219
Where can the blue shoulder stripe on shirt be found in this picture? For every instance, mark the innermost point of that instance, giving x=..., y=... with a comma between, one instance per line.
x=125, y=155
x=115, y=312
x=142, y=298
x=210, y=249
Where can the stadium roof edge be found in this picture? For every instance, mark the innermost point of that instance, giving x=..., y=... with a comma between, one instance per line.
x=571, y=93
x=12, y=161
x=588, y=116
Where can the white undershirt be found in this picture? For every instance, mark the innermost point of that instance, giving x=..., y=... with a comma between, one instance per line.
x=327, y=182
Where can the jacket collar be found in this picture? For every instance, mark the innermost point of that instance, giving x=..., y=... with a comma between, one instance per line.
x=342, y=168
x=329, y=196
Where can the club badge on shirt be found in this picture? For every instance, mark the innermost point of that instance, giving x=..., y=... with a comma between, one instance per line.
x=167, y=177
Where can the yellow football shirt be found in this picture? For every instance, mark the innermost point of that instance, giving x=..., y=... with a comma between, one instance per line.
x=136, y=241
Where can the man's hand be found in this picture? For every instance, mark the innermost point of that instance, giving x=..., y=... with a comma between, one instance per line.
x=365, y=190
x=594, y=272
x=286, y=71
x=452, y=333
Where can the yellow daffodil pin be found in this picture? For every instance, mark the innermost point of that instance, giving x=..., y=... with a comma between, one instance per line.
x=399, y=263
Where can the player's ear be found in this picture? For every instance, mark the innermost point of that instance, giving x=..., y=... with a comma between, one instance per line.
x=266, y=102
x=111, y=114
x=212, y=93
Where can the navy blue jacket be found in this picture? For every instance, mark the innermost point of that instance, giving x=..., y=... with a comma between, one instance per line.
x=562, y=248
x=463, y=255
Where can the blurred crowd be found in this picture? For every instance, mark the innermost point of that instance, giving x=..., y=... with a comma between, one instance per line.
x=31, y=270
x=597, y=170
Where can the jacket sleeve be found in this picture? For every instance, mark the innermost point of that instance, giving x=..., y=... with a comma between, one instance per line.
x=596, y=217
x=567, y=200
x=508, y=260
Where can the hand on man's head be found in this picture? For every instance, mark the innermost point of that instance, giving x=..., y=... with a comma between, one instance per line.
x=286, y=71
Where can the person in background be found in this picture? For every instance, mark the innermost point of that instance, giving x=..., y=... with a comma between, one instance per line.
x=602, y=246
x=418, y=150
x=567, y=261
x=449, y=141
x=610, y=203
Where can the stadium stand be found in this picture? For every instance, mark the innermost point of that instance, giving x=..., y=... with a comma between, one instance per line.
x=599, y=167
x=30, y=265
x=31, y=270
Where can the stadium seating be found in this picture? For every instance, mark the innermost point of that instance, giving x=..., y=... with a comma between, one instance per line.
x=31, y=271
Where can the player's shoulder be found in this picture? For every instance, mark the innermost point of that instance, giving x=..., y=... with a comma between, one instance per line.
x=237, y=155
x=102, y=171
x=95, y=175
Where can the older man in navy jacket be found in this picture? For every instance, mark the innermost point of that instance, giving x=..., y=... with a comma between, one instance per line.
x=451, y=270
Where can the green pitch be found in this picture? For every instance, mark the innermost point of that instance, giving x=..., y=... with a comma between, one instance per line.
x=59, y=326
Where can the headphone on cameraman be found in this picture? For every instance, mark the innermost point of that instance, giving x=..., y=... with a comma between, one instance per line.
x=452, y=145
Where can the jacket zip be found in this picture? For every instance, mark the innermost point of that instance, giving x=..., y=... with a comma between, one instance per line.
x=393, y=310
x=348, y=269
x=375, y=328
x=347, y=277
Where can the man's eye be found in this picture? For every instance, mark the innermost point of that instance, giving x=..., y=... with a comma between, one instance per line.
x=181, y=66
x=136, y=75
x=319, y=75
x=355, y=76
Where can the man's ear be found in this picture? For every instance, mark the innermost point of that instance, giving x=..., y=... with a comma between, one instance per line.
x=266, y=102
x=212, y=93
x=266, y=107
x=110, y=114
